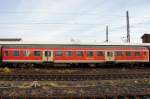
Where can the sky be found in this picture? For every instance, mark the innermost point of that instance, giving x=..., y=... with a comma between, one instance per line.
x=75, y=21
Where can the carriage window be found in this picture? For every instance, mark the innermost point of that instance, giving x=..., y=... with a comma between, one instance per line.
x=15, y=53
x=89, y=53
x=137, y=54
x=145, y=53
x=26, y=53
x=79, y=53
x=58, y=53
x=119, y=53
x=68, y=53
x=109, y=54
x=100, y=53
x=36, y=53
x=128, y=53
x=5, y=53
x=47, y=53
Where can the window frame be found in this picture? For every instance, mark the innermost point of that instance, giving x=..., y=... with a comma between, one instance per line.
x=102, y=53
x=26, y=53
x=145, y=52
x=47, y=53
x=128, y=53
x=137, y=54
x=15, y=53
x=69, y=53
x=110, y=54
x=6, y=54
x=35, y=54
x=90, y=53
x=58, y=54
x=119, y=53
x=81, y=53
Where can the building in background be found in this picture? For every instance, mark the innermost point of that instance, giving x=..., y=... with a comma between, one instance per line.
x=11, y=39
x=146, y=38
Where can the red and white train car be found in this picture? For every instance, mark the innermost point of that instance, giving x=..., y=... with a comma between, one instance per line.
x=58, y=53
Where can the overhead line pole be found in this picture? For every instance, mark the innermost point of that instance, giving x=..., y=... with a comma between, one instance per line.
x=128, y=27
x=107, y=33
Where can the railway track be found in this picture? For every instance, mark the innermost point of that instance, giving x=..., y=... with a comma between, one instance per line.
x=73, y=77
x=73, y=71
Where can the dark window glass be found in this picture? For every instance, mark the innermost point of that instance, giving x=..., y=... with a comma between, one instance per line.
x=137, y=54
x=100, y=53
x=79, y=53
x=36, y=53
x=145, y=53
x=5, y=53
x=119, y=53
x=58, y=53
x=90, y=53
x=128, y=53
x=26, y=53
x=68, y=53
x=15, y=53
x=47, y=53
x=109, y=54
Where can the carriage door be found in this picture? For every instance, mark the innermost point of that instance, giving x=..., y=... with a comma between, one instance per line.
x=47, y=56
x=109, y=55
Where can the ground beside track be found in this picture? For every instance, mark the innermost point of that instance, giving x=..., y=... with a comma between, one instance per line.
x=75, y=89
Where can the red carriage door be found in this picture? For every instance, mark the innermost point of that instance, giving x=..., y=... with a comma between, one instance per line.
x=47, y=56
x=109, y=56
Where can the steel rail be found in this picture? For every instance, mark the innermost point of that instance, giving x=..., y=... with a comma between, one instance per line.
x=73, y=77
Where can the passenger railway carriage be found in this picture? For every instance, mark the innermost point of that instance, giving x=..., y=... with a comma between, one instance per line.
x=58, y=53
